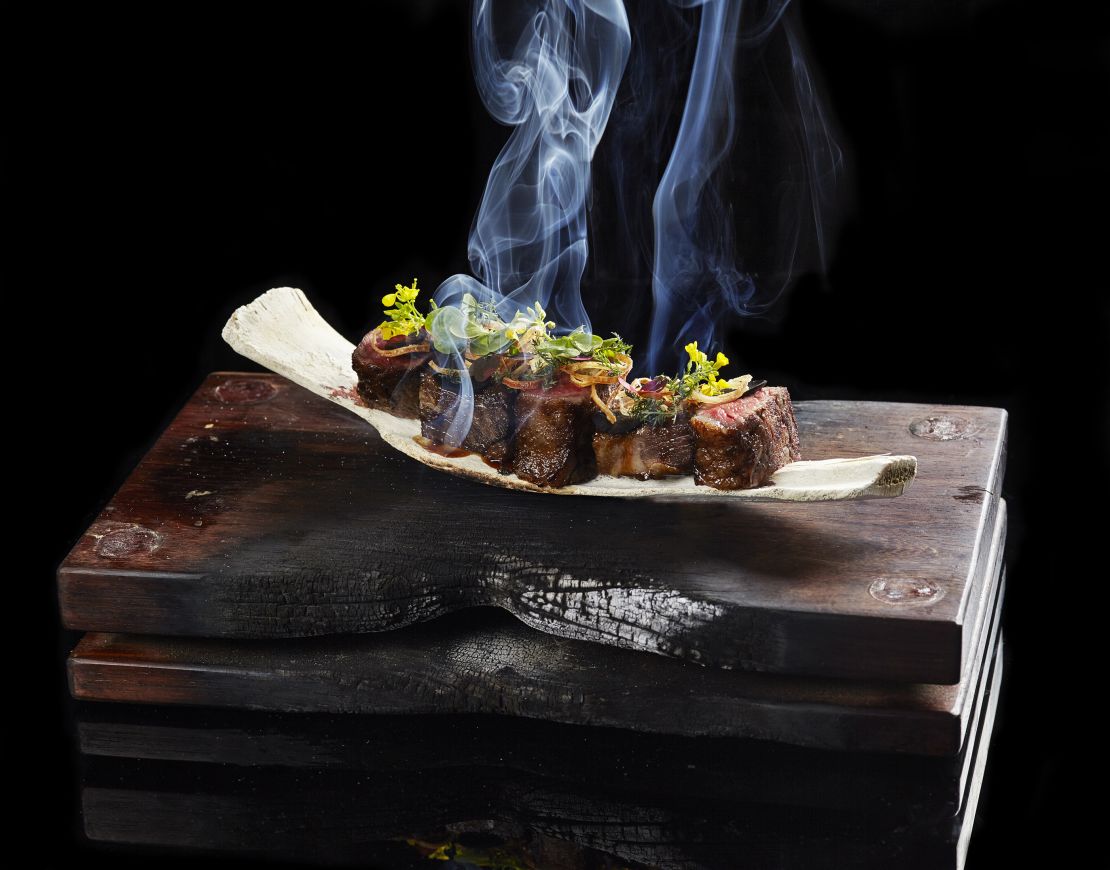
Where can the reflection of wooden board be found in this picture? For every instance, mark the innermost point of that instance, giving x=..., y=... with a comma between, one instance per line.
x=556, y=795
x=264, y=511
x=911, y=787
x=483, y=661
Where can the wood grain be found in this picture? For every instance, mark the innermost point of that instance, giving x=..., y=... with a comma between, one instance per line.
x=266, y=512
x=483, y=661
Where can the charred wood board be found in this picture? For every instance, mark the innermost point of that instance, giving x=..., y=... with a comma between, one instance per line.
x=266, y=512
x=484, y=661
x=179, y=798
x=617, y=761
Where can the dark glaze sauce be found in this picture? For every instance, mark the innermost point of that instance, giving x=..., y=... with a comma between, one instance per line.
x=440, y=449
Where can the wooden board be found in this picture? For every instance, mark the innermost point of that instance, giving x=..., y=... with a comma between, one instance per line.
x=267, y=512
x=908, y=787
x=484, y=661
x=533, y=795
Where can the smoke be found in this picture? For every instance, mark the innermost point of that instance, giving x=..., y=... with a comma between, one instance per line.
x=746, y=179
x=550, y=69
x=741, y=205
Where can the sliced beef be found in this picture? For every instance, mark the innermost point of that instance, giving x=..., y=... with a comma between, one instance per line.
x=493, y=411
x=650, y=451
x=553, y=444
x=740, y=444
x=495, y=456
x=388, y=383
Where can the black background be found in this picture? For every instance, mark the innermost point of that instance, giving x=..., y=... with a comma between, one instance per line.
x=169, y=176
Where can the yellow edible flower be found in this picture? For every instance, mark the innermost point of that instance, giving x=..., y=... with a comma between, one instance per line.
x=696, y=356
x=405, y=294
x=722, y=360
x=402, y=316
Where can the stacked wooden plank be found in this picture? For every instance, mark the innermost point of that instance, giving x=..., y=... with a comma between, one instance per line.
x=271, y=553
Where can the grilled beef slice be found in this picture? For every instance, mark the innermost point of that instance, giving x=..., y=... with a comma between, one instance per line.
x=388, y=383
x=740, y=444
x=553, y=442
x=493, y=411
x=651, y=451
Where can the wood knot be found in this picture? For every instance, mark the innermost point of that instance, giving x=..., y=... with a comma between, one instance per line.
x=245, y=392
x=974, y=494
x=906, y=590
x=942, y=428
x=119, y=541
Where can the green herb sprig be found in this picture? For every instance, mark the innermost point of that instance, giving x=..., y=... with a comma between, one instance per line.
x=471, y=325
x=654, y=412
x=556, y=351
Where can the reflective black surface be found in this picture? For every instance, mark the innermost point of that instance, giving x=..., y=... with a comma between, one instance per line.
x=487, y=791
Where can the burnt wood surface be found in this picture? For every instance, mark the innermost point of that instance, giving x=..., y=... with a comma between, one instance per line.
x=484, y=661
x=266, y=512
x=235, y=786
x=621, y=761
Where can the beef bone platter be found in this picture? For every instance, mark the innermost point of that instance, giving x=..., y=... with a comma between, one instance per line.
x=552, y=413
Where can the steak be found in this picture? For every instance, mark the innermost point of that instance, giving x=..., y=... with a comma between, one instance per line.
x=740, y=444
x=651, y=451
x=553, y=443
x=493, y=411
x=388, y=383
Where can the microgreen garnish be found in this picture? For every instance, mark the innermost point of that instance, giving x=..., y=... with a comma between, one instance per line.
x=556, y=351
x=470, y=325
x=477, y=327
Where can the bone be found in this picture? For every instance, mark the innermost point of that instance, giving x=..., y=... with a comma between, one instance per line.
x=281, y=331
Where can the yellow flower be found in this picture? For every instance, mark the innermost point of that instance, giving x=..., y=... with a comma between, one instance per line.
x=389, y=300
x=406, y=294
x=692, y=350
x=722, y=360
x=511, y=334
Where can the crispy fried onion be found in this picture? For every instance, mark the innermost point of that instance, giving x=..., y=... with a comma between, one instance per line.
x=420, y=347
x=521, y=385
x=581, y=373
x=441, y=370
x=622, y=400
x=518, y=373
x=736, y=388
x=609, y=415
x=590, y=373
